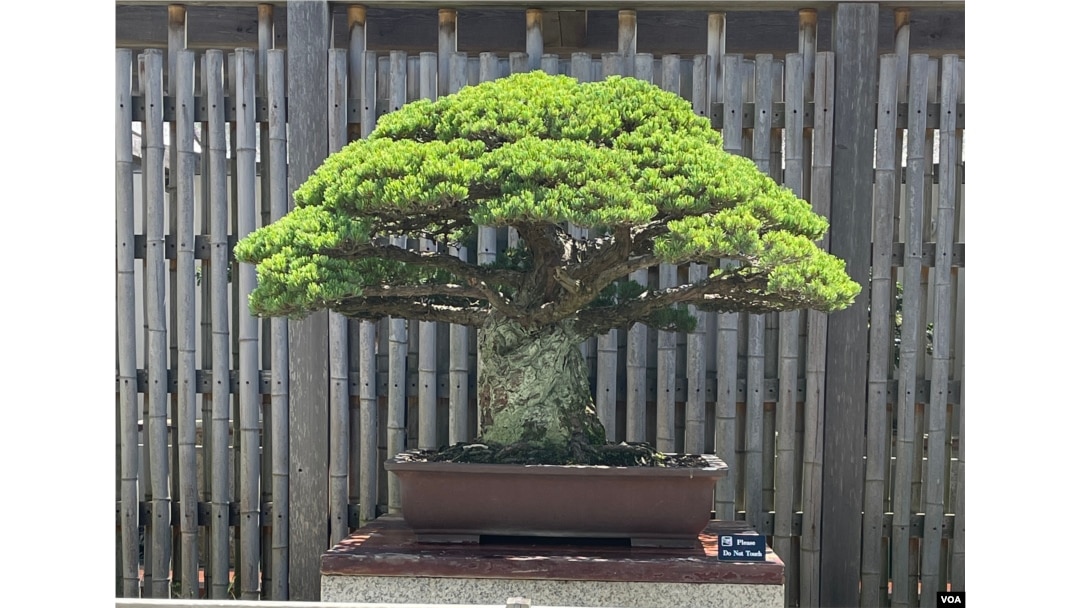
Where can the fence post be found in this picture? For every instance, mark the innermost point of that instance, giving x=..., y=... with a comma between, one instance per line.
x=855, y=42
x=309, y=40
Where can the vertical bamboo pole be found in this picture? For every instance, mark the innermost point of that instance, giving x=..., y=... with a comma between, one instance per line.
x=534, y=37
x=125, y=327
x=279, y=335
x=219, y=318
x=459, y=334
x=727, y=342
x=788, y=339
x=816, y=328
x=266, y=42
x=637, y=336
x=145, y=485
x=910, y=340
x=549, y=63
x=157, y=356
x=447, y=47
x=666, y=358
x=266, y=466
x=696, y=358
x=399, y=343
x=878, y=425
x=337, y=137
x=248, y=330
x=428, y=380
x=184, y=174
x=755, y=340
x=177, y=42
x=367, y=342
x=356, y=16
x=206, y=337
x=236, y=306
x=357, y=23
x=775, y=79
x=937, y=438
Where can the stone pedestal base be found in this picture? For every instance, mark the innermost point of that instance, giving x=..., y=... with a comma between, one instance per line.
x=383, y=562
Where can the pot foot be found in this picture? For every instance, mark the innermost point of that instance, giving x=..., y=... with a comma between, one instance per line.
x=673, y=543
x=445, y=539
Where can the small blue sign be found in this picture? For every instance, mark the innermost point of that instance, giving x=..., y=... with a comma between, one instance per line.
x=741, y=547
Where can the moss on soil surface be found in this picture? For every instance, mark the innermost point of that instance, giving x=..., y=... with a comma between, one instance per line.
x=611, y=454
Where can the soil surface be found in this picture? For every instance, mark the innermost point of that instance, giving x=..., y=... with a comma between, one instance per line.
x=611, y=454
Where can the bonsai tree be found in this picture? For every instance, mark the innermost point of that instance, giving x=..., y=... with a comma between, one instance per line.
x=622, y=158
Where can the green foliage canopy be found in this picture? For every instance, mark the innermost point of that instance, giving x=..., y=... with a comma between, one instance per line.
x=630, y=162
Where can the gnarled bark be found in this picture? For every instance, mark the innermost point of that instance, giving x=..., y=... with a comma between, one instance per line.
x=533, y=388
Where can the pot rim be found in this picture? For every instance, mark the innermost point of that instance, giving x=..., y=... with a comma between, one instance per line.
x=402, y=463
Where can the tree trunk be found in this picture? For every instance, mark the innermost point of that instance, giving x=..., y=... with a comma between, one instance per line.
x=533, y=388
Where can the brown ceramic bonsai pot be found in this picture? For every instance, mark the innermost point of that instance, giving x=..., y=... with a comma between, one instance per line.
x=651, y=506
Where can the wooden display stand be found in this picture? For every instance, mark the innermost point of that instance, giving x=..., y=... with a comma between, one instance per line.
x=384, y=562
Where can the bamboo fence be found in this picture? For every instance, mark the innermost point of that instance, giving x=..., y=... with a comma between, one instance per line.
x=204, y=447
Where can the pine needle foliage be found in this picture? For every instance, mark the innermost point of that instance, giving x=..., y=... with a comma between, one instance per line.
x=622, y=158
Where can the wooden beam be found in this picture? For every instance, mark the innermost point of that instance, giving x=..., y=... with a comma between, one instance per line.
x=854, y=30
x=499, y=30
x=309, y=40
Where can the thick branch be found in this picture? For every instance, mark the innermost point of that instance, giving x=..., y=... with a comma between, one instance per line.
x=432, y=259
x=372, y=309
x=731, y=291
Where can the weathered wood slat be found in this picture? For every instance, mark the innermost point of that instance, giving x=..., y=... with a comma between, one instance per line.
x=128, y=401
x=788, y=338
x=357, y=24
x=337, y=137
x=607, y=344
x=816, y=337
x=666, y=356
x=159, y=534
x=878, y=425
x=459, y=334
x=487, y=238
x=727, y=342
x=367, y=342
x=856, y=29
x=581, y=70
x=428, y=348
x=910, y=340
x=185, y=329
x=696, y=343
x=398, y=329
x=309, y=26
x=957, y=555
x=937, y=440
x=755, y=367
x=637, y=335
